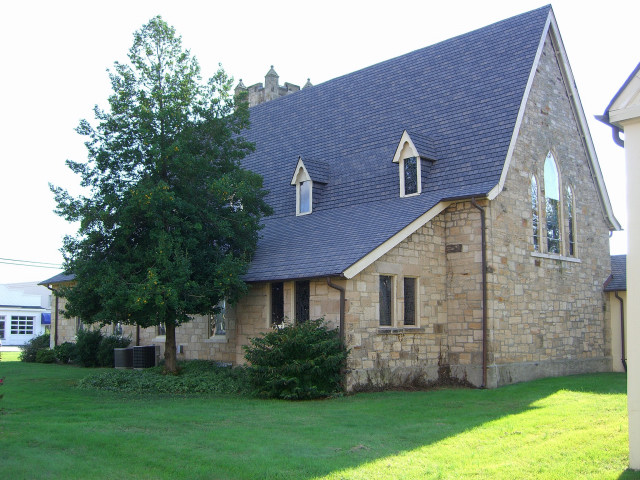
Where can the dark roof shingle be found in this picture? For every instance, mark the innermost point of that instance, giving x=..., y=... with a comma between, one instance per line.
x=463, y=95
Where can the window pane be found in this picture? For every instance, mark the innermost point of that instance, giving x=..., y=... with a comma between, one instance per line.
x=305, y=197
x=535, y=214
x=386, y=295
x=218, y=321
x=302, y=301
x=409, y=301
x=571, y=218
x=277, y=303
x=410, y=175
x=552, y=204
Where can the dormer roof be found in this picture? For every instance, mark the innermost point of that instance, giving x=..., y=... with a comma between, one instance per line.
x=422, y=146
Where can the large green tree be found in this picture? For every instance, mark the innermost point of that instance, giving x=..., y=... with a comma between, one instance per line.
x=170, y=220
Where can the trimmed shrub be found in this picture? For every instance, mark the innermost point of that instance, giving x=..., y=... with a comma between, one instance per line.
x=33, y=346
x=87, y=345
x=105, y=349
x=65, y=352
x=46, y=356
x=297, y=362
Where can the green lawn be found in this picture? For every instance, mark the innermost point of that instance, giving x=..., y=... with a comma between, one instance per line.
x=561, y=428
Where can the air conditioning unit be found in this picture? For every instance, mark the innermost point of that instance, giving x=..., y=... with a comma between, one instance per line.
x=144, y=357
x=123, y=357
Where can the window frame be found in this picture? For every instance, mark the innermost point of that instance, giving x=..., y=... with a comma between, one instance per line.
x=570, y=200
x=403, y=190
x=2, y=327
x=549, y=206
x=272, y=304
x=22, y=325
x=536, y=224
x=382, y=299
x=214, y=320
x=416, y=301
x=302, y=304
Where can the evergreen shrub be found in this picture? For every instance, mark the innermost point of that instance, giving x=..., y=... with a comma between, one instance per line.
x=297, y=362
x=46, y=356
x=65, y=352
x=33, y=346
x=105, y=349
x=87, y=345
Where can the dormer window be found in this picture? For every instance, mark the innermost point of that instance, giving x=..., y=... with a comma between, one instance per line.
x=410, y=162
x=410, y=169
x=305, y=185
x=304, y=197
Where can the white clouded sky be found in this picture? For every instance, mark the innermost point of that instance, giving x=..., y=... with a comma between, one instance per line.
x=55, y=56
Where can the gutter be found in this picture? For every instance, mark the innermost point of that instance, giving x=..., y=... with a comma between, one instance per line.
x=623, y=355
x=615, y=130
x=342, y=302
x=484, y=292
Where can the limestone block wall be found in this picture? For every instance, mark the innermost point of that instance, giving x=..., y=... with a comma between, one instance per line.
x=399, y=354
x=547, y=312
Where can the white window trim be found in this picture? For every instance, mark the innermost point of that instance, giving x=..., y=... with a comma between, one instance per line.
x=406, y=149
x=302, y=175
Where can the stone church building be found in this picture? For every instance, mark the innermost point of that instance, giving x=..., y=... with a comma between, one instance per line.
x=460, y=219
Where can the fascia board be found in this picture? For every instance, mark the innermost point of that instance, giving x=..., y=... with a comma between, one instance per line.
x=385, y=247
x=495, y=191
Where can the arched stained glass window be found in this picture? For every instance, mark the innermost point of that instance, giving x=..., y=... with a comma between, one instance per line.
x=552, y=203
x=571, y=217
x=535, y=213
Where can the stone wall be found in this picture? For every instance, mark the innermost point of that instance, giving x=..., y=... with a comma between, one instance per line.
x=547, y=309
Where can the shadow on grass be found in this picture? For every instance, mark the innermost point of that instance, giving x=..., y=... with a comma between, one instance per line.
x=629, y=474
x=86, y=434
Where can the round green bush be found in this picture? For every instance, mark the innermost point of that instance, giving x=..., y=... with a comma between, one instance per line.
x=33, y=346
x=65, y=352
x=46, y=356
x=297, y=362
x=104, y=357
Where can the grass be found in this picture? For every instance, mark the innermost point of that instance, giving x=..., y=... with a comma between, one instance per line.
x=558, y=428
x=9, y=356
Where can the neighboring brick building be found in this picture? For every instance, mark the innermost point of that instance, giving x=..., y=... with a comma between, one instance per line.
x=450, y=200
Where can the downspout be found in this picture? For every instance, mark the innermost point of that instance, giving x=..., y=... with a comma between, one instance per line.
x=342, y=301
x=484, y=292
x=624, y=355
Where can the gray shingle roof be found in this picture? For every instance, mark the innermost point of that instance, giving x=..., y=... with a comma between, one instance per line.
x=59, y=278
x=460, y=98
x=618, y=279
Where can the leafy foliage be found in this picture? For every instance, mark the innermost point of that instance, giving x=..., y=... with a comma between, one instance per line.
x=30, y=350
x=297, y=362
x=45, y=356
x=105, y=349
x=196, y=376
x=87, y=345
x=171, y=219
x=93, y=349
x=66, y=352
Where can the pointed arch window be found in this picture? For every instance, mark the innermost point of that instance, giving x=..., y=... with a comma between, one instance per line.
x=552, y=204
x=535, y=213
x=571, y=219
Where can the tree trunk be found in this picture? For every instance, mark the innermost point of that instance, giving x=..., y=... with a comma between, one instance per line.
x=170, y=362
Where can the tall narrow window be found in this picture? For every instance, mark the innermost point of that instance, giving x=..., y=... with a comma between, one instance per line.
x=302, y=301
x=409, y=301
x=572, y=222
x=2, y=327
x=386, y=300
x=305, y=197
x=535, y=214
x=410, y=175
x=218, y=320
x=277, y=303
x=552, y=204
